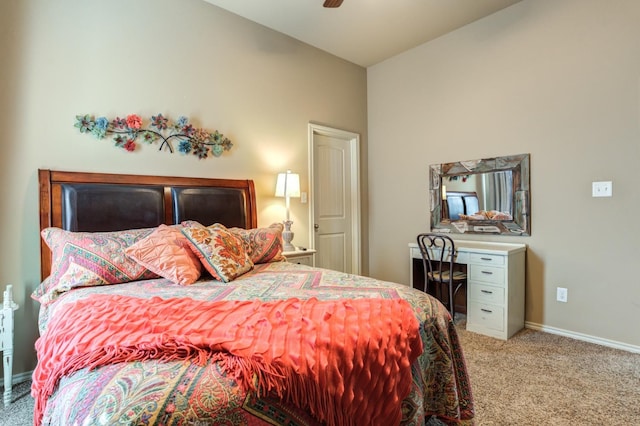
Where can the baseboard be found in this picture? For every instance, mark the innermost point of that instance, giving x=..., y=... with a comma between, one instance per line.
x=584, y=337
x=19, y=378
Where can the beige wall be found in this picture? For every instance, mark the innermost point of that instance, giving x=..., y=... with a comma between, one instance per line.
x=559, y=80
x=178, y=57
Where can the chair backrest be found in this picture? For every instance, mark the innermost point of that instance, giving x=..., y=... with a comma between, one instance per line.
x=438, y=254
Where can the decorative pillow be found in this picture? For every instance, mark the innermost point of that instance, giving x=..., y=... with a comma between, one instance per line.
x=193, y=224
x=84, y=259
x=167, y=253
x=219, y=250
x=263, y=245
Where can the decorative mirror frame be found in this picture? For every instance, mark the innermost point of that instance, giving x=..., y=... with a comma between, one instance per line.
x=521, y=197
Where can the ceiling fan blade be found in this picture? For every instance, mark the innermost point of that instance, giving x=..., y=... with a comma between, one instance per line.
x=332, y=3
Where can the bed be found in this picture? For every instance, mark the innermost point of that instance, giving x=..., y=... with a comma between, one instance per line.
x=129, y=334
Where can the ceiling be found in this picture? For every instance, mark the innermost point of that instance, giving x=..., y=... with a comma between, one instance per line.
x=364, y=32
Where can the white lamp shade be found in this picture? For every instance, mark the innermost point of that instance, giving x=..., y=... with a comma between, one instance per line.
x=288, y=184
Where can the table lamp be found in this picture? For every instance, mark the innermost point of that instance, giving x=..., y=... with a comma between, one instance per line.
x=287, y=186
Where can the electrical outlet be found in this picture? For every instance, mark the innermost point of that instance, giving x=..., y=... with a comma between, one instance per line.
x=561, y=294
x=602, y=189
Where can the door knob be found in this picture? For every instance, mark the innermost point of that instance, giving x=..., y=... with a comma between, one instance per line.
x=316, y=226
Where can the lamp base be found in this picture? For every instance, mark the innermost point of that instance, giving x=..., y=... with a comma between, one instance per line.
x=287, y=236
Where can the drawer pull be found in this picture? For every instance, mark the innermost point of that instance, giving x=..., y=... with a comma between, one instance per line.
x=486, y=291
x=486, y=310
x=486, y=258
x=487, y=272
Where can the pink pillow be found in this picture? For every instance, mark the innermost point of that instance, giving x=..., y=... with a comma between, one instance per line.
x=167, y=253
x=85, y=259
x=263, y=245
x=220, y=251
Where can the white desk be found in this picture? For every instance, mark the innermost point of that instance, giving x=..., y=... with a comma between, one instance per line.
x=495, y=285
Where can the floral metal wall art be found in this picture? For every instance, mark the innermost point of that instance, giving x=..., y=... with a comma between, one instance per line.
x=128, y=132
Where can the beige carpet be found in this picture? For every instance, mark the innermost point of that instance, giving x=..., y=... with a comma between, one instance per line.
x=538, y=378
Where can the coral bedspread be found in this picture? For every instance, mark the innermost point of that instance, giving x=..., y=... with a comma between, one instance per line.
x=248, y=380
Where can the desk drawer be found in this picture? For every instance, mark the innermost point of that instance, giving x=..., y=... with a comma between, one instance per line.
x=460, y=257
x=486, y=259
x=486, y=315
x=486, y=273
x=486, y=294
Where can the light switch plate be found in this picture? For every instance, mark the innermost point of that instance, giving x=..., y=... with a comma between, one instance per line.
x=602, y=189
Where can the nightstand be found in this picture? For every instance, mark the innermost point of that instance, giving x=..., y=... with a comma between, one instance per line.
x=301, y=257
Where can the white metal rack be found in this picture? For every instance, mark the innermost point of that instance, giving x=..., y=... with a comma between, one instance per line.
x=6, y=341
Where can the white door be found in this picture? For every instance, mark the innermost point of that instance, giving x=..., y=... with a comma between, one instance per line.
x=335, y=198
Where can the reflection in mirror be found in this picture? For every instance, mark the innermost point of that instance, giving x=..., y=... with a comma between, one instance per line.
x=488, y=196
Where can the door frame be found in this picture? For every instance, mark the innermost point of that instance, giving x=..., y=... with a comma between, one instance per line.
x=354, y=149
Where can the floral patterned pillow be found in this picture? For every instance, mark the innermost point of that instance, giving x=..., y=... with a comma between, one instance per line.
x=84, y=259
x=263, y=245
x=221, y=252
x=166, y=252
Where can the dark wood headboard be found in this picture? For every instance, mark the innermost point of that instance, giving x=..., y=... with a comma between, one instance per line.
x=94, y=202
x=460, y=202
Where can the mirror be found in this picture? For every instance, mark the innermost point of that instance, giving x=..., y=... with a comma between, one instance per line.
x=487, y=196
